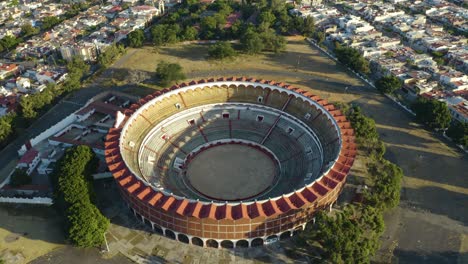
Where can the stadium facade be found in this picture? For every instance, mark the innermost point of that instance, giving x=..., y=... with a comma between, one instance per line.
x=153, y=143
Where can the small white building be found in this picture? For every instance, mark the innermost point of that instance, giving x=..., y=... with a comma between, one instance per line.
x=29, y=161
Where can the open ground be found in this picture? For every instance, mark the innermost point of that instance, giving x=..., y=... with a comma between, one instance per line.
x=429, y=226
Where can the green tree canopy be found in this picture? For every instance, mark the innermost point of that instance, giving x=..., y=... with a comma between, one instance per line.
x=363, y=126
x=459, y=133
x=9, y=42
x=388, y=84
x=267, y=17
x=432, y=112
x=49, y=22
x=308, y=26
x=13, y=3
x=169, y=72
x=348, y=237
x=385, y=193
x=27, y=30
x=29, y=105
x=272, y=41
x=221, y=50
x=110, y=54
x=136, y=38
x=163, y=34
x=352, y=58
x=251, y=42
x=72, y=179
x=189, y=33
x=87, y=225
x=6, y=126
x=158, y=34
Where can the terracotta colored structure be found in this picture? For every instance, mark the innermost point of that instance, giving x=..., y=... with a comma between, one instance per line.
x=229, y=224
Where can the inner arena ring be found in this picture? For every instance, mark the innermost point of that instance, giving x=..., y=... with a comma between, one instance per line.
x=309, y=142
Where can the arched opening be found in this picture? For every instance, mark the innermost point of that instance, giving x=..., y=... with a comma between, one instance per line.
x=297, y=230
x=146, y=222
x=170, y=234
x=271, y=239
x=212, y=243
x=158, y=229
x=197, y=241
x=227, y=244
x=285, y=235
x=183, y=238
x=257, y=242
x=242, y=244
x=137, y=215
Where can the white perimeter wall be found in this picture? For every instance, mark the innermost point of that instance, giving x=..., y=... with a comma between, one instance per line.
x=35, y=200
x=49, y=132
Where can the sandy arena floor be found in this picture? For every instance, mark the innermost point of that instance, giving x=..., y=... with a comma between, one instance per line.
x=231, y=172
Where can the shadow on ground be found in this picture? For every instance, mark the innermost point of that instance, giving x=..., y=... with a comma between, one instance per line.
x=410, y=257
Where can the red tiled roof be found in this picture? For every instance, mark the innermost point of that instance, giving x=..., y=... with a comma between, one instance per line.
x=29, y=156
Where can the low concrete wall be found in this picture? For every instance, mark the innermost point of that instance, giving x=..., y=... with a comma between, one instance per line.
x=35, y=200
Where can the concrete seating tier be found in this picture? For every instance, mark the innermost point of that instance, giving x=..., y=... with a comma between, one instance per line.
x=296, y=149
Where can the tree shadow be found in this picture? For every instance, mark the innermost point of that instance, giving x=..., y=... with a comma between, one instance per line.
x=438, y=201
x=403, y=256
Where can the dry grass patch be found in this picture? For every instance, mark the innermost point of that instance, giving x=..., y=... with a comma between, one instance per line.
x=27, y=232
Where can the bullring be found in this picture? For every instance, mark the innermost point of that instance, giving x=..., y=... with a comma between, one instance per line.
x=165, y=150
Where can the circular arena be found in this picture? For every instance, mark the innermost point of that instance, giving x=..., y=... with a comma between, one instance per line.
x=230, y=162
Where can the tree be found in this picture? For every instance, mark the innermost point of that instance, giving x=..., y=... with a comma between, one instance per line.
x=9, y=42
x=87, y=225
x=158, y=34
x=136, y=38
x=458, y=131
x=27, y=30
x=364, y=127
x=110, y=54
x=433, y=113
x=189, y=33
x=352, y=58
x=125, y=6
x=208, y=26
x=49, y=22
x=272, y=41
x=72, y=179
x=6, y=126
x=27, y=107
x=19, y=178
x=221, y=50
x=347, y=237
x=308, y=26
x=267, y=18
x=319, y=37
x=13, y=3
x=388, y=84
x=251, y=42
x=169, y=72
x=385, y=192
x=172, y=33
